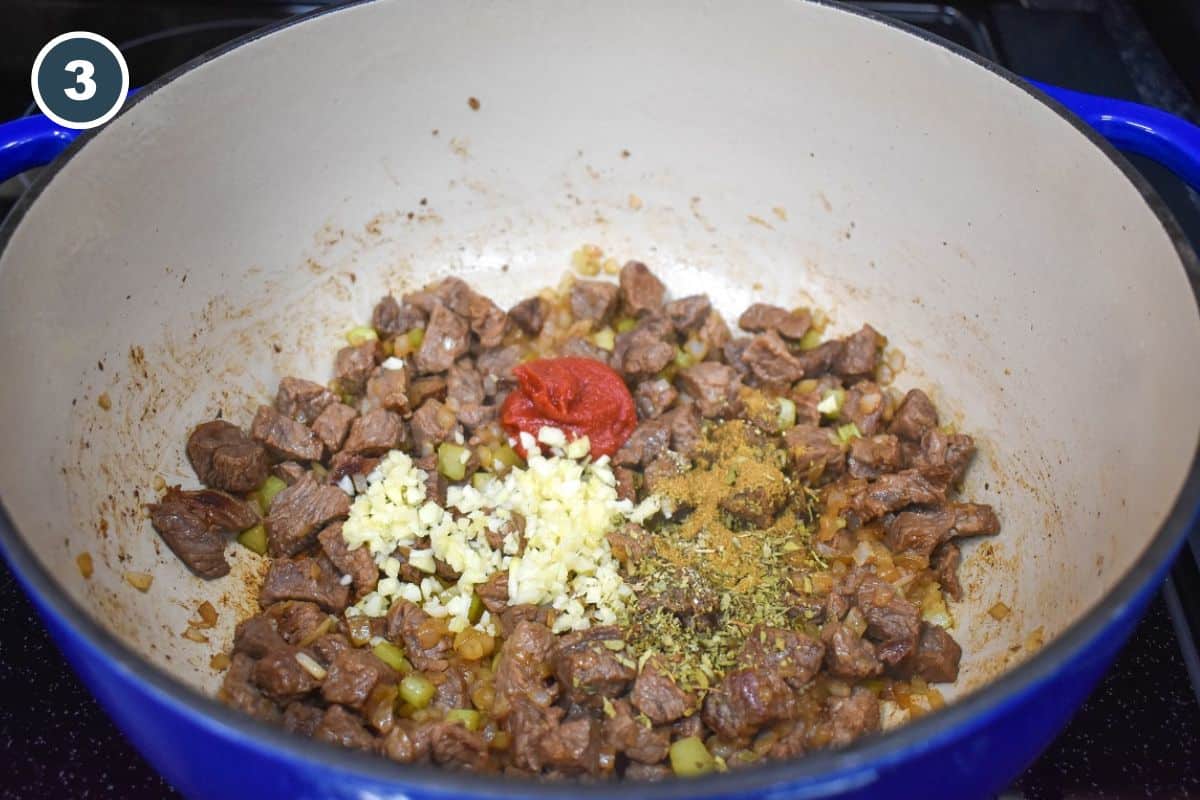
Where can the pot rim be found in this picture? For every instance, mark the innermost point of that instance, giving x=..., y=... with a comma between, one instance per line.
x=823, y=772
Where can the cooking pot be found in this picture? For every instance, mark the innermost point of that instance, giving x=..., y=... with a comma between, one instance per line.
x=240, y=215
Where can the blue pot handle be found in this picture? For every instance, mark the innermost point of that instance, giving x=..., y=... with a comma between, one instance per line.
x=35, y=141
x=1135, y=128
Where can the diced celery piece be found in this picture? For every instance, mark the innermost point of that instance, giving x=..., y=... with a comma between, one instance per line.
x=450, y=460
x=254, y=539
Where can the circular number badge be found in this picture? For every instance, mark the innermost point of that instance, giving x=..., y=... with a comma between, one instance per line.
x=80, y=80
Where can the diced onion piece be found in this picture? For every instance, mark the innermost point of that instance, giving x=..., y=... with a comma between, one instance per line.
x=469, y=718
x=219, y=661
x=999, y=612
x=311, y=666
x=393, y=363
x=393, y=656
x=208, y=614
x=324, y=627
x=423, y=560
x=831, y=403
x=452, y=460
x=416, y=690
x=552, y=437
x=84, y=562
x=787, y=413
x=579, y=448
x=689, y=757
x=139, y=580
x=848, y=432
x=359, y=628
x=605, y=338
x=361, y=334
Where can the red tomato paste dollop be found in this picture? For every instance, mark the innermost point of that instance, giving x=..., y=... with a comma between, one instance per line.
x=579, y=396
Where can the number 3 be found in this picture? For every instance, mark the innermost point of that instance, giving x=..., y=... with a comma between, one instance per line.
x=84, y=70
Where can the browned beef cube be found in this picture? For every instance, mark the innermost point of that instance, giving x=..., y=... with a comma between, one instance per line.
x=746, y=700
x=795, y=656
x=864, y=407
x=714, y=333
x=288, y=471
x=935, y=657
x=687, y=314
x=311, y=579
x=860, y=355
x=872, y=455
x=588, y=670
x=942, y=457
x=646, y=350
x=496, y=367
x=356, y=563
x=192, y=524
x=391, y=318
x=530, y=315
x=572, y=747
x=432, y=424
x=224, y=457
x=238, y=690
x=761, y=317
x=375, y=433
x=656, y=694
x=297, y=621
x=893, y=492
x=353, y=365
x=341, y=727
x=819, y=360
x=848, y=655
x=256, y=636
x=594, y=301
x=713, y=386
x=388, y=389
x=302, y=400
x=851, y=717
x=410, y=625
x=301, y=718
x=333, y=425
x=424, y=388
x=648, y=441
x=814, y=451
x=914, y=416
x=284, y=437
x=641, y=290
x=299, y=511
x=464, y=385
x=279, y=675
x=944, y=563
x=624, y=734
x=446, y=339
x=770, y=360
x=347, y=464
x=352, y=676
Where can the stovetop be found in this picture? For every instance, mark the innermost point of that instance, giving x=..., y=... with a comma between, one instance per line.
x=1139, y=733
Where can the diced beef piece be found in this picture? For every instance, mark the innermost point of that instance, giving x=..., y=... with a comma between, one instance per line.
x=256, y=636
x=347, y=464
x=482, y=316
x=624, y=734
x=935, y=657
x=945, y=562
x=494, y=592
x=388, y=389
x=299, y=511
x=409, y=742
x=893, y=492
x=648, y=441
x=302, y=400
x=375, y=433
x=688, y=596
x=422, y=389
x=650, y=773
x=746, y=700
x=732, y=353
x=872, y=455
x=329, y=646
x=432, y=424
x=513, y=616
x=860, y=354
x=333, y=425
x=851, y=717
x=573, y=747
x=238, y=690
x=476, y=416
x=224, y=457
x=975, y=519
x=530, y=315
x=312, y=579
x=626, y=483
x=341, y=727
x=864, y=407
x=529, y=723
x=356, y=563
x=284, y=437
x=892, y=621
x=668, y=465
x=919, y=531
x=942, y=457
x=435, y=482
x=713, y=386
x=288, y=471
x=192, y=524
x=685, y=428
x=653, y=397
x=279, y=675
x=914, y=416
x=496, y=366
x=656, y=694
x=588, y=670
x=761, y=317
x=584, y=348
x=795, y=656
x=814, y=452
x=645, y=350
x=487, y=321
x=301, y=718
x=847, y=655
x=687, y=314
x=353, y=365
x=756, y=496
x=630, y=543
x=688, y=726
x=453, y=744
x=641, y=290
x=770, y=360
x=297, y=620
x=523, y=667
x=792, y=742
x=391, y=318
x=819, y=360
x=714, y=332
x=594, y=301
x=420, y=634
x=464, y=385
x=352, y=676
x=446, y=339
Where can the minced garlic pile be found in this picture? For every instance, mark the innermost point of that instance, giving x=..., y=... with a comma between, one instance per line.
x=569, y=504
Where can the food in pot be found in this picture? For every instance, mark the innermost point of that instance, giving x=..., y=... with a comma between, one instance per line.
x=598, y=535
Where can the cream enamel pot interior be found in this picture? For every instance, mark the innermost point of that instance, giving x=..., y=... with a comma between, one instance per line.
x=236, y=219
